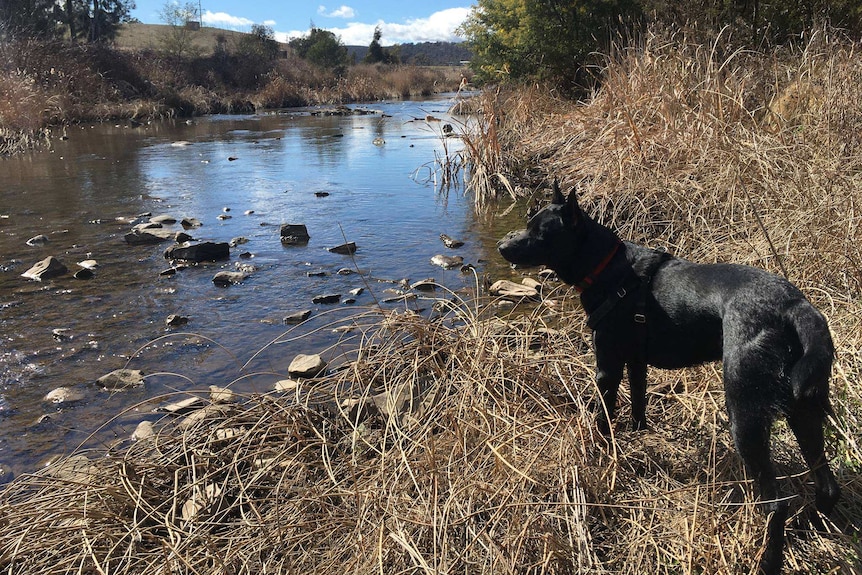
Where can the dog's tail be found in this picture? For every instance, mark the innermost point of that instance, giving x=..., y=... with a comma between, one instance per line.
x=809, y=376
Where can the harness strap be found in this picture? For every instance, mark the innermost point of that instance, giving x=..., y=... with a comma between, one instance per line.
x=631, y=284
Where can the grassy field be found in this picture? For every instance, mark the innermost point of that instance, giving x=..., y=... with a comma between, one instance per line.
x=203, y=41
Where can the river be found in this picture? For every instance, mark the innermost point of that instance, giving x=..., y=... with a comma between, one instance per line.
x=368, y=179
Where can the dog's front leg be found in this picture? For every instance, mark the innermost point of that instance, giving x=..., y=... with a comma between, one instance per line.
x=609, y=373
x=637, y=371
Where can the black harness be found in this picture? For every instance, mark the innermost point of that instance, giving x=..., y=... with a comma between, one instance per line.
x=631, y=284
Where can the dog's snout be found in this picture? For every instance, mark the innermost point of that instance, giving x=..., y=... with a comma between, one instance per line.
x=511, y=235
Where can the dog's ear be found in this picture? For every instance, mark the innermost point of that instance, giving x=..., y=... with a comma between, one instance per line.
x=573, y=207
x=557, y=198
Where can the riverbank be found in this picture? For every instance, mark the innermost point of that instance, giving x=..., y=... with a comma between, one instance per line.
x=464, y=442
x=49, y=85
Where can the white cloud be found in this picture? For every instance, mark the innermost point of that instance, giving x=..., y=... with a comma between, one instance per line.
x=228, y=22
x=438, y=27
x=225, y=20
x=340, y=12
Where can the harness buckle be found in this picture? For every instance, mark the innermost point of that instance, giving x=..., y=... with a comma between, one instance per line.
x=621, y=293
x=640, y=318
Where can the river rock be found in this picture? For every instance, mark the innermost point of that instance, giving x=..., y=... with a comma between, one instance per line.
x=144, y=226
x=450, y=242
x=326, y=298
x=506, y=288
x=144, y=430
x=176, y=320
x=424, y=285
x=39, y=240
x=189, y=223
x=356, y=291
x=64, y=395
x=345, y=249
x=122, y=379
x=84, y=274
x=226, y=278
x=306, y=365
x=147, y=237
x=163, y=219
x=237, y=241
x=202, y=252
x=294, y=234
x=89, y=264
x=46, y=269
x=183, y=237
x=447, y=262
x=221, y=394
x=284, y=385
x=297, y=317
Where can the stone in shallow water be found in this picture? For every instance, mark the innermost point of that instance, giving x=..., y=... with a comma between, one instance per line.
x=46, y=269
x=306, y=365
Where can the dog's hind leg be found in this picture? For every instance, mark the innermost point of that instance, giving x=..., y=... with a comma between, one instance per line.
x=807, y=425
x=751, y=432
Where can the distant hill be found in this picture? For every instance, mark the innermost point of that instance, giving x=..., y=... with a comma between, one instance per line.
x=422, y=53
x=136, y=36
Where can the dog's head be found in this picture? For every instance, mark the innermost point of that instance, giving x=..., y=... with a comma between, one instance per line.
x=549, y=236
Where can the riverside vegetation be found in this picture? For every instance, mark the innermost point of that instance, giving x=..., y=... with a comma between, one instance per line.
x=464, y=442
x=47, y=84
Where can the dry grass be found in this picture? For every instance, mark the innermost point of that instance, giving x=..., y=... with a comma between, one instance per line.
x=461, y=444
x=473, y=450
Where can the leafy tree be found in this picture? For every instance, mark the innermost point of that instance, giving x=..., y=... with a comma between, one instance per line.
x=32, y=18
x=177, y=41
x=255, y=54
x=322, y=48
x=377, y=53
x=542, y=38
x=95, y=20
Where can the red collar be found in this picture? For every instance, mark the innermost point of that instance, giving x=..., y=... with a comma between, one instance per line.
x=591, y=277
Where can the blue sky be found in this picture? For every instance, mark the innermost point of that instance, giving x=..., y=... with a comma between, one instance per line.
x=400, y=21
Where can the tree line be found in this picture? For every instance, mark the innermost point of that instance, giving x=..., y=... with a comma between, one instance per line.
x=91, y=20
x=555, y=39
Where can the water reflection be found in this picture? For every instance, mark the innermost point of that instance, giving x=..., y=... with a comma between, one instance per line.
x=266, y=170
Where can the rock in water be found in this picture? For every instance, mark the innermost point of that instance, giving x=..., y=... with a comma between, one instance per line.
x=122, y=379
x=306, y=365
x=46, y=269
x=327, y=298
x=447, y=262
x=505, y=288
x=202, y=252
x=450, y=242
x=225, y=278
x=149, y=236
x=39, y=240
x=294, y=234
x=64, y=395
x=346, y=249
x=297, y=317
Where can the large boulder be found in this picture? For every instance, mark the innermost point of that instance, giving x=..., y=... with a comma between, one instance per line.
x=46, y=269
x=202, y=252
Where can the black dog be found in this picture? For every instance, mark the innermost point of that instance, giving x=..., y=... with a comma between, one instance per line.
x=648, y=308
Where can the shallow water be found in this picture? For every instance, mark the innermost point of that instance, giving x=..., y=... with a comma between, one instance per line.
x=382, y=196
